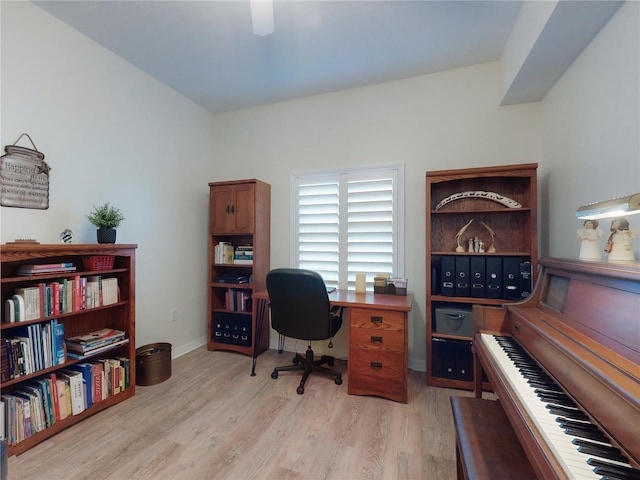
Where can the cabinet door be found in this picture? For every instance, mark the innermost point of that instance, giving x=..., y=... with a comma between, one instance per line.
x=242, y=211
x=232, y=208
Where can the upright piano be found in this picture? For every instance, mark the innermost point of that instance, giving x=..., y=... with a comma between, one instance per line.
x=565, y=366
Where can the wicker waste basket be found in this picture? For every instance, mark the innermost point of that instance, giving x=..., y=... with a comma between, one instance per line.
x=153, y=363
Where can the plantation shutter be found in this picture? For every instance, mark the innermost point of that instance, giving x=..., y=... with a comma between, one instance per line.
x=348, y=222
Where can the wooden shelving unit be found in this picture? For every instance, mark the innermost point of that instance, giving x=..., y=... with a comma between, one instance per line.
x=240, y=214
x=120, y=315
x=515, y=237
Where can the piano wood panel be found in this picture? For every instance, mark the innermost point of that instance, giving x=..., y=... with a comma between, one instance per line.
x=589, y=345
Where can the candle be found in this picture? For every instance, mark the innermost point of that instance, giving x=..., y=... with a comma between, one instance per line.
x=361, y=283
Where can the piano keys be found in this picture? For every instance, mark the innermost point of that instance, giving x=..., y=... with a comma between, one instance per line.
x=563, y=425
x=565, y=365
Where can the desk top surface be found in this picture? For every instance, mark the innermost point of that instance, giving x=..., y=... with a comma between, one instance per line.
x=349, y=298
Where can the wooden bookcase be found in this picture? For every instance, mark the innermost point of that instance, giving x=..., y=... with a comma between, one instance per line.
x=120, y=315
x=240, y=214
x=513, y=233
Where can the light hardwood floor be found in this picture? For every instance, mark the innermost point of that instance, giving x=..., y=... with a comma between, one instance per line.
x=212, y=420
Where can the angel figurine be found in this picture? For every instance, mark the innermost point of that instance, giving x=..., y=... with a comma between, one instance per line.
x=589, y=236
x=618, y=244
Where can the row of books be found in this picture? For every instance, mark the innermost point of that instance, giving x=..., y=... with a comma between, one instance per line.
x=237, y=299
x=40, y=403
x=225, y=253
x=31, y=348
x=59, y=297
x=95, y=342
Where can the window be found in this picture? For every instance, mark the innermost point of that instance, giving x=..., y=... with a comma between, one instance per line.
x=349, y=221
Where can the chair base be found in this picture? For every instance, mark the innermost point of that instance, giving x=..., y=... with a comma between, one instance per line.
x=308, y=365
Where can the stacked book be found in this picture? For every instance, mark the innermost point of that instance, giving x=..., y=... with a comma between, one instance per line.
x=28, y=270
x=81, y=346
x=243, y=255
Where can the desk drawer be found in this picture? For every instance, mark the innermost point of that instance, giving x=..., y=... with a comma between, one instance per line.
x=376, y=339
x=376, y=364
x=377, y=319
x=393, y=389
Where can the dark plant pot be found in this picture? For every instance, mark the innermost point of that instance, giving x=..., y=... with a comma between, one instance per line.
x=106, y=235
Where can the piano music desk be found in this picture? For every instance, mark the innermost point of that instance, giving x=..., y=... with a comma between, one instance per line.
x=486, y=445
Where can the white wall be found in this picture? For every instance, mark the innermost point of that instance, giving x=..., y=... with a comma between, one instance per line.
x=112, y=133
x=591, y=130
x=448, y=120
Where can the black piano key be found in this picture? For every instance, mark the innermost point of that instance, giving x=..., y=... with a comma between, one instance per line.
x=555, y=399
x=583, y=433
x=567, y=412
x=588, y=427
x=543, y=386
x=604, y=451
x=606, y=468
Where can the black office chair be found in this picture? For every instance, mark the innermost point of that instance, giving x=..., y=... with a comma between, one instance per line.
x=300, y=309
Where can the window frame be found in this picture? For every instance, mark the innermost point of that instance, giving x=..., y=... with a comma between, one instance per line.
x=341, y=175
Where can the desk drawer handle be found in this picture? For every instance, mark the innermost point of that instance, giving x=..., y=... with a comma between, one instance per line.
x=377, y=365
x=376, y=319
x=376, y=339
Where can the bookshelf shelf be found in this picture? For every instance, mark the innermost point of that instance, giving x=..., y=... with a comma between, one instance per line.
x=239, y=215
x=119, y=315
x=449, y=360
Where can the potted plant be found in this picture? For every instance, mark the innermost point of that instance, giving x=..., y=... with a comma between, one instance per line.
x=107, y=219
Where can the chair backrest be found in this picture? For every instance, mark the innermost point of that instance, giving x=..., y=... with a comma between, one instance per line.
x=299, y=304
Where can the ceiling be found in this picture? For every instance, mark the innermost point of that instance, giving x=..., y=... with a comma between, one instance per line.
x=207, y=51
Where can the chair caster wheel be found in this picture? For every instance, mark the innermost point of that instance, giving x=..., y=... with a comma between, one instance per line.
x=295, y=360
x=338, y=380
x=300, y=390
x=274, y=375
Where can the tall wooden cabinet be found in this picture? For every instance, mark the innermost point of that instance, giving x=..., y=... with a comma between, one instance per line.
x=481, y=247
x=239, y=216
x=115, y=261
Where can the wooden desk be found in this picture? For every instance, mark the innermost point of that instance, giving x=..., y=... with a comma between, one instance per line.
x=377, y=331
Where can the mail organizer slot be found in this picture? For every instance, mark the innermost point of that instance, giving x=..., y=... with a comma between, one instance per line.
x=454, y=321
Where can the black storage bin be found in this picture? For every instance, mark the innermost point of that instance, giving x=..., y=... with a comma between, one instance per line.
x=232, y=329
x=454, y=321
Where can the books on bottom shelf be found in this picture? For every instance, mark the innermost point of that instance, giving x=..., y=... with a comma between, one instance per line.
x=40, y=403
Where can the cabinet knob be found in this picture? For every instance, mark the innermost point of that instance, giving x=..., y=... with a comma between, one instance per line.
x=377, y=365
x=376, y=319
x=376, y=339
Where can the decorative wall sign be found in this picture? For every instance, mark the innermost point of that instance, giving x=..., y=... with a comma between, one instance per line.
x=24, y=177
x=496, y=197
